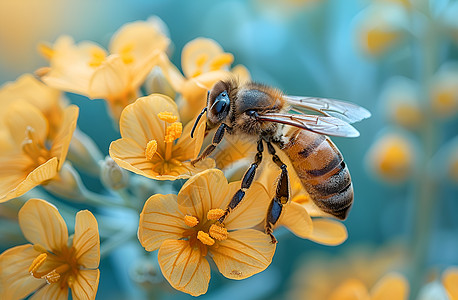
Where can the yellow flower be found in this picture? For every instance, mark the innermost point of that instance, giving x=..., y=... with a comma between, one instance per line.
x=51, y=264
x=185, y=230
x=444, y=93
x=392, y=157
x=450, y=282
x=88, y=69
x=204, y=62
x=32, y=158
x=27, y=88
x=149, y=128
x=296, y=216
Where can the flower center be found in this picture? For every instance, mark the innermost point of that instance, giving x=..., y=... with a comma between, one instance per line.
x=151, y=149
x=33, y=147
x=172, y=131
x=126, y=54
x=97, y=57
x=50, y=275
x=222, y=60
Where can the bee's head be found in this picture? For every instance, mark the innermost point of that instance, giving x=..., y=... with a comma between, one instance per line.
x=218, y=105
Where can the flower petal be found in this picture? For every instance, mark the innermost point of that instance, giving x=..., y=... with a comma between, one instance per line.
x=110, y=80
x=42, y=224
x=328, y=232
x=203, y=192
x=160, y=220
x=194, y=50
x=297, y=220
x=16, y=185
x=15, y=279
x=62, y=140
x=392, y=286
x=86, y=284
x=244, y=253
x=185, y=268
x=139, y=120
x=51, y=291
x=450, y=282
x=187, y=147
x=351, y=289
x=251, y=211
x=86, y=241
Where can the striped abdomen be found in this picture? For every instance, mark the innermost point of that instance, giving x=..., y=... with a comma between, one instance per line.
x=323, y=173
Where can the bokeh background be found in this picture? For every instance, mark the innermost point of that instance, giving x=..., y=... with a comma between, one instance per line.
x=395, y=58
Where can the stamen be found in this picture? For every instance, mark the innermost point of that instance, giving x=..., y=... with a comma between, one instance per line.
x=225, y=59
x=175, y=130
x=151, y=149
x=205, y=238
x=52, y=277
x=190, y=221
x=218, y=232
x=46, y=50
x=167, y=117
x=97, y=57
x=37, y=263
x=215, y=214
x=126, y=54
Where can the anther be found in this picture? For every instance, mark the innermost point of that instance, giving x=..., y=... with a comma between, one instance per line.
x=190, y=221
x=151, y=149
x=218, y=232
x=175, y=130
x=224, y=59
x=215, y=214
x=205, y=238
x=167, y=116
x=52, y=277
x=37, y=262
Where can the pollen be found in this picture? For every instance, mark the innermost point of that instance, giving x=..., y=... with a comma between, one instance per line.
x=37, y=262
x=190, y=221
x=97, y=57
x=175, y=130
x=215, y=214
x=126, y=54
x=46, y=50
x=222, y=60
x=218, y=232
x=150, y=149
x=167, y=117
x=205, y=238
x=52, y=277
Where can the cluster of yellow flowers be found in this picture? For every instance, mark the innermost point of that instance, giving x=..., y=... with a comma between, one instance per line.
x=37, y=149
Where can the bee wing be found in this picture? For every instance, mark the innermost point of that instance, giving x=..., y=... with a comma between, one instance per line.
x=319, y=124
x=345, y=111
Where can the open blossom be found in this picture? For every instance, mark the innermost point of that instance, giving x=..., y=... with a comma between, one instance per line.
x=32, y=158
x=185, y=230
x=50, y=265
x=155, y=144
x=88, y=69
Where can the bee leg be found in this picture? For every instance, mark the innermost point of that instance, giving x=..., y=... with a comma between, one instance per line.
x=281, y=194
x=217, y=138
x=246, y=182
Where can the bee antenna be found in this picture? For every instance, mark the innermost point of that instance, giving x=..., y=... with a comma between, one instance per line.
x=197, y=121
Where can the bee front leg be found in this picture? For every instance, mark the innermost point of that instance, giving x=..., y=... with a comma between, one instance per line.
x=217, y=138
x=281, y=195
x=246, y=182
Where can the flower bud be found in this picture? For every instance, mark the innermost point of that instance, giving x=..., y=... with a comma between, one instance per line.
x=113, y=176
x=156, y=82
x=84, y=153
x=67, y=184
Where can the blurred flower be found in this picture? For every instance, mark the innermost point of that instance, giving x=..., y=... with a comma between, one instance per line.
x=380, y=27
x=204, y=62
x=450, y=282
x=360, y=273
x=402, y=99
x=444, y=91
x=445, y=162
x=34, y=158
x=149, y=128
x=87, y=69
x=392, y=157
x=113, y=176
x=322, y=228
x=52, y=263
x=447, y=288
x=186, y=231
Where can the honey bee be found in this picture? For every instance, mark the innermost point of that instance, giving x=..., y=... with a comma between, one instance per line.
x=260, y=113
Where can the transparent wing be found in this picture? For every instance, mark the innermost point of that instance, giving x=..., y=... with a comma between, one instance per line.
x=345, y=111
x=319, y=124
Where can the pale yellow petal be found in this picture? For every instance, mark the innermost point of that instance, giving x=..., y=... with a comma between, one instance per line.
x=42, y=224
x=241, y=73
x=450, y=281
x=297, y=220
x=15, y=279
x=194, y=51
x=244, y=253
x=160, y=220
x=62, y=140
x=185, y=268
x=251, y=211
x=110, y=80
x=17, y=184
x=139, y=120
x=202, y=192
x=186, y=147
x=51, y=291
x=392, y=286
x=86, y=240
x=328, y=232
x=351, y=289
x=21, y=115
x=13, y=170
x=86, y=285
x=171, y=72
x=131, y=156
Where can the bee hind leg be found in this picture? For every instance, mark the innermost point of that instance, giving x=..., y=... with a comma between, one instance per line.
x=246, y=182
x=217, y=138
